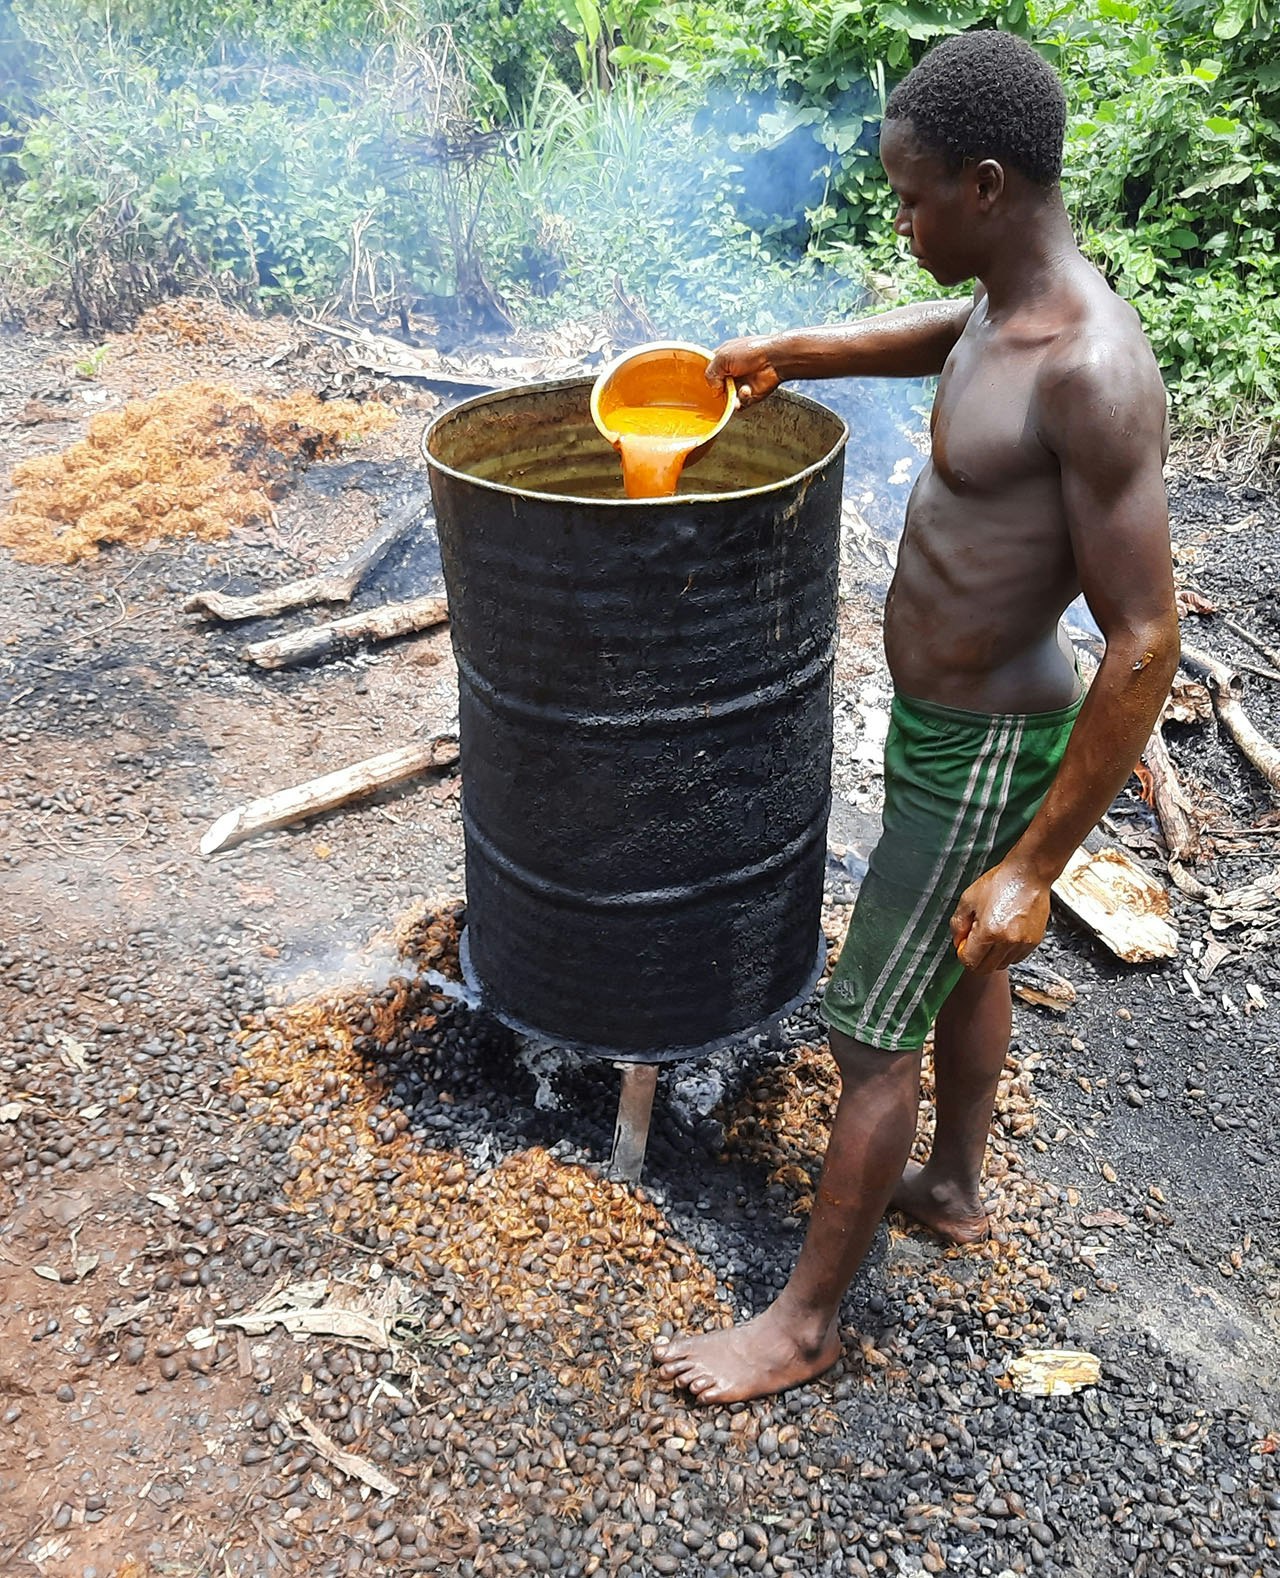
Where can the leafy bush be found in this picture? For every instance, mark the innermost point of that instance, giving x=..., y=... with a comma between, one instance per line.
x=1173, y=156
x=145, y=188
x=801, y=88
x=1173, y=159
x=178, y=36
x=510, y=46
x=275, y=183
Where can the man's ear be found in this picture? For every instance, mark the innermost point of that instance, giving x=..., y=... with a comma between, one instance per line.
x=988, y=180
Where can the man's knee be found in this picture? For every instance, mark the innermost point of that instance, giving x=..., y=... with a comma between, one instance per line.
x=859, y=1063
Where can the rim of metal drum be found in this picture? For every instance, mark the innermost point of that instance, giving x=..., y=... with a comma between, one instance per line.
x=539, y=1038
x=674, y=499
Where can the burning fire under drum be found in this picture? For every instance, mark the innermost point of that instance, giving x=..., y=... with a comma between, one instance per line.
x=645, y=723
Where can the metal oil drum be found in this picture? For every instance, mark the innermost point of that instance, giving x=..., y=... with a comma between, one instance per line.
x=645, y=718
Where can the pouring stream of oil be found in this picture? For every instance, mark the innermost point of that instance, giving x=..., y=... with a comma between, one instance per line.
x=654, y=442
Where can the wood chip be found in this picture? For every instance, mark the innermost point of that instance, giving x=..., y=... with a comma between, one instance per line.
x=1121, y=904
x=1035, y=983
x=1054, y=1372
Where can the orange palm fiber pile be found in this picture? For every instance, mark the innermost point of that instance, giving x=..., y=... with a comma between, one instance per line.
x=196, y=461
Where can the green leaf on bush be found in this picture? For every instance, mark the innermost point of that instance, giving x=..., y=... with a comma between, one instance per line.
x=1231, y=19
x=1229, y=175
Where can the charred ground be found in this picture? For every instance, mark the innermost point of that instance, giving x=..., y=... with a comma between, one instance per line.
x=220, y=1079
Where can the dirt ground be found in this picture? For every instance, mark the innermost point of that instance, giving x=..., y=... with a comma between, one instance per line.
x=251, y=1078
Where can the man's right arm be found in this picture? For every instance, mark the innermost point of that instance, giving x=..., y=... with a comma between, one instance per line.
x=906, y=342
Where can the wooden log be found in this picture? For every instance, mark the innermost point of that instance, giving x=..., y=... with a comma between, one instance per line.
x=374, y=624
x=1224, y=687
x=287, y=806
x=335, y=585
x=1119, y=903
x=1172, y=807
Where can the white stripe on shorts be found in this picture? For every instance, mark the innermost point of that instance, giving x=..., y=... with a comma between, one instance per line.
x=928, y=895
x=992, y=817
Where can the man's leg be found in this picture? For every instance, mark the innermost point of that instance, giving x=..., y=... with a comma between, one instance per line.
x=798, y=1337
x=970, y=1043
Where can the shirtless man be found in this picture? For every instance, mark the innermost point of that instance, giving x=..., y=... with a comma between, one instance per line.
x=1044, y=479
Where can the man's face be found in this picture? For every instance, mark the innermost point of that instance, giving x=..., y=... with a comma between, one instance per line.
x=936, y=212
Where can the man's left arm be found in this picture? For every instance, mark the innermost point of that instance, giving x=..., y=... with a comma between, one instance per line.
x=1106, y=424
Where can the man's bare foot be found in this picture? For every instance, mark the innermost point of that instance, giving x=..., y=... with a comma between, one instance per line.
x=753, y=1360
x=940, y=1206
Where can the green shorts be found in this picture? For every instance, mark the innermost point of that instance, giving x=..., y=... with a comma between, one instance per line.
x=960, y=789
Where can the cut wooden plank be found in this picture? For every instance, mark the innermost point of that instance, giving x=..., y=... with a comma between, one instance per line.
x=335, y=585
x=326, y=794
x=374, y=624
x=1119, y=903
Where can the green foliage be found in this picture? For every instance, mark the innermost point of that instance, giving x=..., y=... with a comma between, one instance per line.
x=509, y=46
x=181, y=187
x=711, y=165
x=177, y=35
x=806, y=85
x=92, y=364
x=133, y=186
x=1173, y=178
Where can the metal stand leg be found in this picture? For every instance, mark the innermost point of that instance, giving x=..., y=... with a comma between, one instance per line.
x=635, y=1108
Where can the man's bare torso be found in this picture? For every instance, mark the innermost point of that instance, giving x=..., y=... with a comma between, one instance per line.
x=985, y=567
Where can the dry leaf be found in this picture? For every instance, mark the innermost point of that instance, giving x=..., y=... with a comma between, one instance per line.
x=298, y=1309
x=48, y=1273
x=1106, y=1218
x=1192, y=602
x=1189, y=702
x=348, y=1463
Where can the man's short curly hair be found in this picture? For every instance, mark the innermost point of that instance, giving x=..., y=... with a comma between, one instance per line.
x=986, y=95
